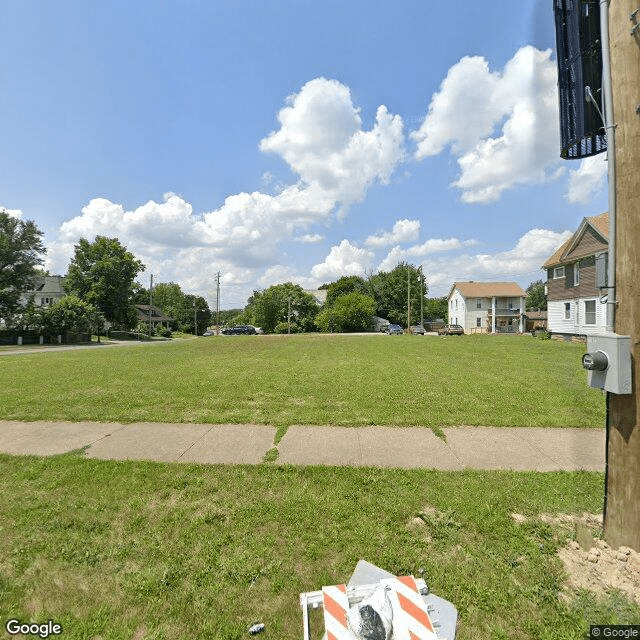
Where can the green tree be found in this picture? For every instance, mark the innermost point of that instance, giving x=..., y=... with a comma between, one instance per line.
x=20, y=253
x=194, y=309
x=536, y=297
x=170, y=298
x=102, y=273
x=345, y=285
x=436, y=308
x=349, y=313
x=270, y=307
x=389, y=290
x=72, y=314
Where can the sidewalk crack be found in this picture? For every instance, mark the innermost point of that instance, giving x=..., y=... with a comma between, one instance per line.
x=193, y=444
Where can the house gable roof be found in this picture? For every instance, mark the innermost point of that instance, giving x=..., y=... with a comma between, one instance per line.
x=592, y=233
x=488, y=289
x=157, y=315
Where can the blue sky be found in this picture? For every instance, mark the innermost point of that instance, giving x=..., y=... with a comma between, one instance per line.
x=289, y=140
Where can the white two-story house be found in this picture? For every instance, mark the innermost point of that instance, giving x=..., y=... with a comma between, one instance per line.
x=487, y=307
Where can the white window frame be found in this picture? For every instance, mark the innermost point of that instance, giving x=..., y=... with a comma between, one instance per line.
x=479, y=303
x=479, y=323
x=576, y=274
x=558, y=272
x=567, y=311
x=588, y=314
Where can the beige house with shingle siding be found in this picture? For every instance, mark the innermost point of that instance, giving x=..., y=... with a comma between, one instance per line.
x=487, y=307
x=573, y=300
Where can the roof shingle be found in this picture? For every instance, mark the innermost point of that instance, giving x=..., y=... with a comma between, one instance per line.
x=489, y=289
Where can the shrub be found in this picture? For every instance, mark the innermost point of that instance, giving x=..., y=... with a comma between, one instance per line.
x=283, y=327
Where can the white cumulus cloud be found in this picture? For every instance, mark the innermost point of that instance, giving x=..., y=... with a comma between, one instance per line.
x=421, y=251
x=501, y=126
x=310, y=238
x=321, y=139
x=587, y=180
x=403, y=231
x=344, y=259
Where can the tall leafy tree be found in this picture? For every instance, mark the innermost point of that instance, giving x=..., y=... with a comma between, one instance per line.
x=169, y=297
x=21, y=249
x=536, y=297
x=345, y=285
x=194, y=309
x=349, y=313
x=270, y=307
x=436, y=308
x=389, y=290
x=184, y=308
x=102, y=273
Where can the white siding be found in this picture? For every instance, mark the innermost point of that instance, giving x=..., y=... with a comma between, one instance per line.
x=457, y=309
x=576, y=322
x=473, y=313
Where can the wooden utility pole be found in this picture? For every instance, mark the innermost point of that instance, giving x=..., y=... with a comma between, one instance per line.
x=408, y=297
x=622, y=503
x=218, y=305
x=421, y=298
x=150, y=302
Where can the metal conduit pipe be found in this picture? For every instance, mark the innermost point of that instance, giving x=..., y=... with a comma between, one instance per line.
x=611, y=161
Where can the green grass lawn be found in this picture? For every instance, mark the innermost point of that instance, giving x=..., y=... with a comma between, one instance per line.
x=121, y=550
x=309, y=379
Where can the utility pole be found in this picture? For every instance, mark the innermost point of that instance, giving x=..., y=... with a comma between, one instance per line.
x=289, y=317
x=421, y=298
x=622, y=501
x=150, y=302
x=408, y=296
x=218, y=305
x=195, y=317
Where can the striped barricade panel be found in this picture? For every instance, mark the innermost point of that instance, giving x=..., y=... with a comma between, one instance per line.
x=336, y=604
x=411, y=620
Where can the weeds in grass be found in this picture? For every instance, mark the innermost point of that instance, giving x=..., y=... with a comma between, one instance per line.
x=271, y=455
x=106, y=548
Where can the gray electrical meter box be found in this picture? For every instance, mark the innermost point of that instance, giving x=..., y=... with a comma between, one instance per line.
x=608, y=362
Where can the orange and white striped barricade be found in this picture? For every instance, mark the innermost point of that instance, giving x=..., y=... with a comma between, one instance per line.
x=335, y=601
x=411, y=619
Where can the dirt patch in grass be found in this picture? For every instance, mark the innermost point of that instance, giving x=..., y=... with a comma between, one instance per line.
x=601, y=569
x=590, y=563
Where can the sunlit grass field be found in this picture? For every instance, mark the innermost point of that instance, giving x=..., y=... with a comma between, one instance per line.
x=309, y=379
x=121, y=550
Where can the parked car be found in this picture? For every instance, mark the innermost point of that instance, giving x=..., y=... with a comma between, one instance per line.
x=394, y=329
x=451, y=330
x=209, y=332
x=418, y=329
x=239, y=330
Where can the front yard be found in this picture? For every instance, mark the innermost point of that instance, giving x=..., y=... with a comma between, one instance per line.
x=309, y=379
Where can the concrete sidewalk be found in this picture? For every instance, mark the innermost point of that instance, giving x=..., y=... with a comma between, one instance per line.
x=520, y=449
